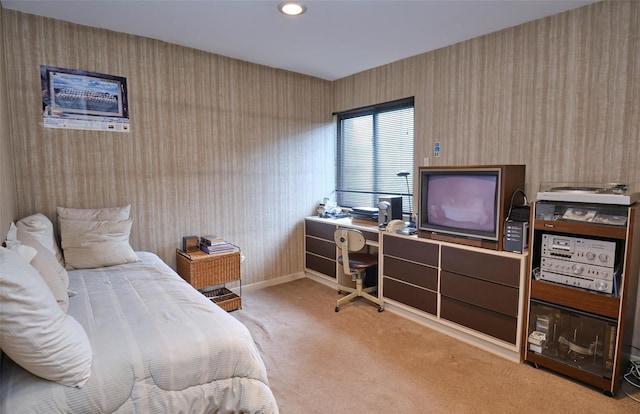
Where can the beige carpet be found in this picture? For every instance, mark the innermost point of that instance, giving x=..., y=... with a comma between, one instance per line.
x=362, y=361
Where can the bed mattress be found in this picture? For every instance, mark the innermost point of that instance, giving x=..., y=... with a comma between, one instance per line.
x=159, y=346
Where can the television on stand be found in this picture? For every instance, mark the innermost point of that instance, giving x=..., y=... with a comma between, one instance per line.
x=467, y=204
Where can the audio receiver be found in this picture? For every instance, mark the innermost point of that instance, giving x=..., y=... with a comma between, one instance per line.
x=579, y=262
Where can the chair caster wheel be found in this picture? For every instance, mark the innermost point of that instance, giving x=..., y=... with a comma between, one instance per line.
x=381, y=308
x=337, y=308
x=339, y=292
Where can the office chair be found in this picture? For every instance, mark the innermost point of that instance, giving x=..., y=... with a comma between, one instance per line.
x=351, y=241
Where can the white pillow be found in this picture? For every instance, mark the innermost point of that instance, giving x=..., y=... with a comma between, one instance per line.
x=54, y=275
x=25, y=252
x=11, y=234
x=41, y=228
x=91, y=244
x=34, y=332
x=94, y=214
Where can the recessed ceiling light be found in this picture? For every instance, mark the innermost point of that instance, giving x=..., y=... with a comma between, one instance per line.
x=292, y=8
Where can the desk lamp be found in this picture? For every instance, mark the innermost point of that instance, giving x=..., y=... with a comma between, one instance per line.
x=410, y=223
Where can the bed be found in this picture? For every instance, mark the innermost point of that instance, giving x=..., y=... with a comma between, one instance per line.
x=158, y=346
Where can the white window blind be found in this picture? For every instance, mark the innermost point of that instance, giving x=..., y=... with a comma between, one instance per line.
x=374, y=144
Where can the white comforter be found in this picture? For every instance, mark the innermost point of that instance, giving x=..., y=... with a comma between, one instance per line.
x=159, y=346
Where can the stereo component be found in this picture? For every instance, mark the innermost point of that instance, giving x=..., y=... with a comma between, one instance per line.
x=516, y=236
x=579, y=262
x=578, y=249
x=592, y=279
x=389, y=208
x=610, y=193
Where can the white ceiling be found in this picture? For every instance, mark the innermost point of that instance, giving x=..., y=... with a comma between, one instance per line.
x=333, y=39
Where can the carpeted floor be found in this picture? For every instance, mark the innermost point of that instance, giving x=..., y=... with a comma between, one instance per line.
x=361, y=361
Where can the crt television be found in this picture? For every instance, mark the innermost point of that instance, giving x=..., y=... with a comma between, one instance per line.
x=467, y=204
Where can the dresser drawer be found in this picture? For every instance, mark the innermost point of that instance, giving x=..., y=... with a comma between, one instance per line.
x=321, y=247
x=418, y=298
x=320, y=230
x=411, y=249
x=479, y=319
x=494, y=268
x=414, y=273
x=371, y=236
x=320, y=265
x=495, y=297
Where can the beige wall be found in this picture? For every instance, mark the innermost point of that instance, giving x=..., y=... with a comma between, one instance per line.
x=7, y=179
x=560, y=95
x=217, y=146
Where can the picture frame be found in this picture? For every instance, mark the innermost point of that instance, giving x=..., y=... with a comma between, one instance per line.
x=77, y=99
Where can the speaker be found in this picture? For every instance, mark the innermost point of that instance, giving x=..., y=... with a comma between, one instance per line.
x=389, y=208
x=520, y=213
x=516, y=236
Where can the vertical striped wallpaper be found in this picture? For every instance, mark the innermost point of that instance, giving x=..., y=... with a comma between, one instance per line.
x=217, y=146
x=560, y=94
x=7, y=178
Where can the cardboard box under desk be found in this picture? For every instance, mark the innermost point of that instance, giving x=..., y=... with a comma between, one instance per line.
x=203, y=270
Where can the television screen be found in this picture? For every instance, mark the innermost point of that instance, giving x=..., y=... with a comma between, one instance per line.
x=467, y=204
x=461, y=201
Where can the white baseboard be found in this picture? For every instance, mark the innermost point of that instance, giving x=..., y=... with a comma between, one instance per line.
x=267, y=283
x=331, y=283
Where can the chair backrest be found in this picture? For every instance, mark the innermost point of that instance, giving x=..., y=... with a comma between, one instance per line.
x=348, y=240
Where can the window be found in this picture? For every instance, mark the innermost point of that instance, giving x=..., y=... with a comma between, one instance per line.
x=374, y=144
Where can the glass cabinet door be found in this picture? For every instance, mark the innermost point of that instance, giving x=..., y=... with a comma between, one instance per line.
x=571, y=337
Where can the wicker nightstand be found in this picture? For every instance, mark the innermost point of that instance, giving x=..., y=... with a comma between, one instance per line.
x=209, y=272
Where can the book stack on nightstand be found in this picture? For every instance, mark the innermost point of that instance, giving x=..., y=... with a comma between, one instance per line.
x=215, y=245
x=209, y=272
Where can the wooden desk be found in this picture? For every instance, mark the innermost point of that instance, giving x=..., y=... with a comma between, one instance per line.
x=470, y=293
x=321, y=252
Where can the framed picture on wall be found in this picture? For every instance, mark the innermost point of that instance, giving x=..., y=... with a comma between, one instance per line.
x=75, y=99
